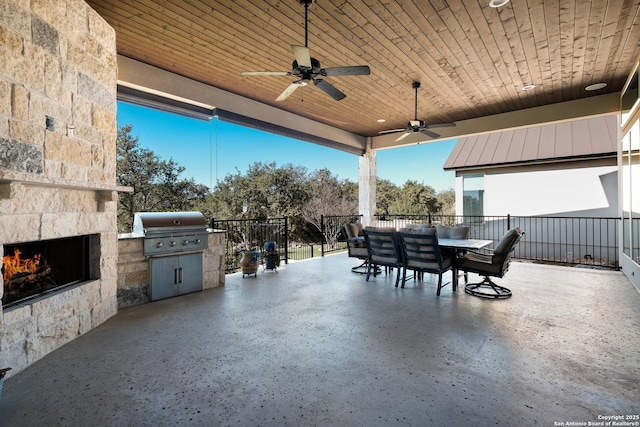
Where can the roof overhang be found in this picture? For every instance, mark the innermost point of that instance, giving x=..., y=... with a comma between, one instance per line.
x=568, y=140
x=144, y=84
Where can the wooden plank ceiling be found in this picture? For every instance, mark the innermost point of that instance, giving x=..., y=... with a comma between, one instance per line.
x=471, y=59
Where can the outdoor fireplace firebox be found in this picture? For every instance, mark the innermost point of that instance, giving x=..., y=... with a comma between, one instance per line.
x=32, y=269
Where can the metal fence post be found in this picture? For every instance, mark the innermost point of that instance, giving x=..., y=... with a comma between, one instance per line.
x=322, y=237
x=508, y=221
x=286, y=240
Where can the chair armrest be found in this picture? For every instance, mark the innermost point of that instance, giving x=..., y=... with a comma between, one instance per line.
x=476, y=256
x=358, y=242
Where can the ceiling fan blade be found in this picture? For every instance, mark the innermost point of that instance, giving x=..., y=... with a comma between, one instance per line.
x=266, y=73
x=403, y=136
x=289, y=90
x=429, y=133
x=329, y=89
x=302, y=55
x=354, y=70
x=441, y=125
x=382, y=132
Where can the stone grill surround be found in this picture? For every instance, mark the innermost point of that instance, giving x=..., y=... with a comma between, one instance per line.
x=57, y=67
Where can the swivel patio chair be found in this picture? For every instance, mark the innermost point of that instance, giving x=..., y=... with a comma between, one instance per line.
x=421, y=253
x=384, y=251
x=356, y=246
x=493, y=263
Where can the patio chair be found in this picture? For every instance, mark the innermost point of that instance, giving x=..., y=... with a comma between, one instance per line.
x=415, y=228
x=493, y=263
x=384, y=251
x=457, y=232
x=356, y=246
x=421, y=253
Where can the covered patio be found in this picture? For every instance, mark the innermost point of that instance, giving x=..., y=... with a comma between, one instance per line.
x=315, y=344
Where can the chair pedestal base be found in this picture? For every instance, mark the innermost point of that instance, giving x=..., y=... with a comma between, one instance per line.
x=362, y=268
x=487, y=289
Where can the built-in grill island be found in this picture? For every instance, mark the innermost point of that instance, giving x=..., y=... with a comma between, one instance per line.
x=174, y=243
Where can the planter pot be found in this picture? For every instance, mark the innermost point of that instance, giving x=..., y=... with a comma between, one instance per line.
x=249, y=262
x=271, y=257
x=271, y=264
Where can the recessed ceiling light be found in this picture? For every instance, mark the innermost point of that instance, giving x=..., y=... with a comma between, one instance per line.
x=595, y=86
x=381, y=120
x=528, y=87
x=498, y=3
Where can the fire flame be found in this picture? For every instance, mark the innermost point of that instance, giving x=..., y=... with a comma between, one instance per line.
x=12, y=265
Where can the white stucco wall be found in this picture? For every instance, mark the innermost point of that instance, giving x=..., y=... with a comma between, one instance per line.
x=587, y=188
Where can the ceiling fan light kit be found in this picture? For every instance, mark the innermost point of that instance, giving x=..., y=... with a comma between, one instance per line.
x=308, y=69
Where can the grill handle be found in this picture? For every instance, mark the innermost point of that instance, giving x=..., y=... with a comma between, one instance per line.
x=177, y=276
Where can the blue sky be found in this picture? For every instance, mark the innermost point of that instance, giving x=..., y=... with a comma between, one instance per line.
x=211, y=150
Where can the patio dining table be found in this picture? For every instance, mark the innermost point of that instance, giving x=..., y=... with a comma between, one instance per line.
x=461, y=245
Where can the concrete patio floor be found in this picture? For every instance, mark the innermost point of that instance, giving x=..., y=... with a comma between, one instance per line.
x=315, y=344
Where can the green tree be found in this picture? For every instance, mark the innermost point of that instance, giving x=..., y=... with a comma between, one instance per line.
x=447, y=200
x=386, y=194
x=328, y=196
x=156, y=183
x=267, y=191
x=415, y=199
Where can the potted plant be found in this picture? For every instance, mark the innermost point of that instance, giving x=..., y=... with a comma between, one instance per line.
x=271, y=256
x=271, y=260
x=249, y=261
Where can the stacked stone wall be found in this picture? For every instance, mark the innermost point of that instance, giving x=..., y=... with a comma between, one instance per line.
x=58, y=80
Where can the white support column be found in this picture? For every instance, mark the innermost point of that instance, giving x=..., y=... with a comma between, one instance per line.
x=367, y=184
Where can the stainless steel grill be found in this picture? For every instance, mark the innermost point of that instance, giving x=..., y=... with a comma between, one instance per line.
x=171, y=232
x=174, y=242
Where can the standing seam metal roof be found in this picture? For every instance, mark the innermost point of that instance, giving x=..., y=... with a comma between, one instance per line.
x=587, y=138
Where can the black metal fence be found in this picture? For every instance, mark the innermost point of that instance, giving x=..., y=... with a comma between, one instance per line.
x=565, y=240
x=251, y=234
x=332, y=226
x=562, y=240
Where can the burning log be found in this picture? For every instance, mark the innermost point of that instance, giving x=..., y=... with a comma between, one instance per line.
x=17, y=271
x=20, y=278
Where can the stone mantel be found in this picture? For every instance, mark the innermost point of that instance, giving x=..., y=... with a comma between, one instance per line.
x=9, y=178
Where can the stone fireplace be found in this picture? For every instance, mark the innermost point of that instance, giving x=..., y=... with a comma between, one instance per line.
x=58, y=188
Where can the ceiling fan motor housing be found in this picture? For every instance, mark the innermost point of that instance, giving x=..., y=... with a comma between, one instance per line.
x=315, y=66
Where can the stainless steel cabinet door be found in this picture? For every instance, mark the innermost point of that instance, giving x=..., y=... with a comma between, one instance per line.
x=175, y=275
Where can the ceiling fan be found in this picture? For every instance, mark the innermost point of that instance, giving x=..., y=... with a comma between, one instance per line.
x=307, y=69
x=418, y=126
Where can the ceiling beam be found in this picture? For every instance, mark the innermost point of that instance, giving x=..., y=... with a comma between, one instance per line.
x=554, y=113
x=155, y=81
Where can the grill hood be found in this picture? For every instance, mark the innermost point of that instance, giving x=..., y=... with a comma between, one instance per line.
x=162, y=223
